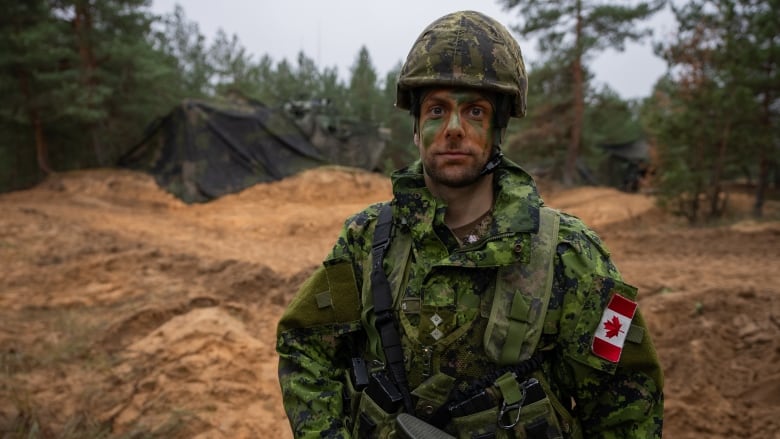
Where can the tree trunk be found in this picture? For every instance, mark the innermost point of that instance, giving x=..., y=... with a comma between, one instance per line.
x=764, y=163
x=41, y=148
x=716, y=207
x=763, y=182
x=573, y=152
x=698, y=188
x=82, y=24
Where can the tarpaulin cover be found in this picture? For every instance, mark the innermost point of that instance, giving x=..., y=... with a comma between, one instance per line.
x=201, y=150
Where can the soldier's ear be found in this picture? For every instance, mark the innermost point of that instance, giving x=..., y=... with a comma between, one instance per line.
x=417, y=139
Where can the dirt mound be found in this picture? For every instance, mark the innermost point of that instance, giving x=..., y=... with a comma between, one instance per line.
x=605, y=207
x=323, y=186
x=127, y=312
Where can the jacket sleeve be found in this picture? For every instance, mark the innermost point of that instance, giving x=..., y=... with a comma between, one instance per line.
x=315, y=338
x=621, y=399
x=311, y=371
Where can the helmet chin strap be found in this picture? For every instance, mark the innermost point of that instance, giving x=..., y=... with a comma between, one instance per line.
x=501, y=119
x=494, y=162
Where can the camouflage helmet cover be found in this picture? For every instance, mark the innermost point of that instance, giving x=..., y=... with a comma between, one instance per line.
x=465, y=49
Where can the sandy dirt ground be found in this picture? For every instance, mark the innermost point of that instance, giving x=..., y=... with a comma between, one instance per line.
x=126, y=313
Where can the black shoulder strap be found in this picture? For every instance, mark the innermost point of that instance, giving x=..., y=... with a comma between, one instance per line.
x=383, y=306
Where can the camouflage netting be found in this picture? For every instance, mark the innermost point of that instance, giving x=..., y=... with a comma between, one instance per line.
x=200, y=150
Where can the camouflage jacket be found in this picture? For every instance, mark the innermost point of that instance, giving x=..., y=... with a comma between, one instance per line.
x=327, y=321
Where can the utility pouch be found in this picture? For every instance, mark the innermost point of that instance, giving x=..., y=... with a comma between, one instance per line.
x=538, y=421
x=522, y=295
x=431, y=395
x=481, y=424
x=359, y=374
x=384, y=392
x=378, y=407
x=356, y=380
x=531, y=417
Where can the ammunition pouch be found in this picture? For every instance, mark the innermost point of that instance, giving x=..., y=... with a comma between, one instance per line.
x=355, y=381
x=373, y=404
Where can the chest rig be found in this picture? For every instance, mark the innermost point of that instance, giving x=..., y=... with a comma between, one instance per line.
x=505, y=331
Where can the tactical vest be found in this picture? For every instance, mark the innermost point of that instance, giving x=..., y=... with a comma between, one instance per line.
x=506, y=333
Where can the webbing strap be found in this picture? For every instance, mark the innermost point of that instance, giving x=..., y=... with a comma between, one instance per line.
x=524, y=324
x=510, y=388
x=383, y=304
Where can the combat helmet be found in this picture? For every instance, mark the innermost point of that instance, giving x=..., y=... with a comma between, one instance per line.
x=466, y=49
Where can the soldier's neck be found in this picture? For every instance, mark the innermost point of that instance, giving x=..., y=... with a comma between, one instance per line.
x=466, y=204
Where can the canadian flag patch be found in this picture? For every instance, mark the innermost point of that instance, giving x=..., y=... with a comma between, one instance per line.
x=612, y=330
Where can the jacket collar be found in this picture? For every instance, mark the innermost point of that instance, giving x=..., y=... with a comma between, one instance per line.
x=516, y=209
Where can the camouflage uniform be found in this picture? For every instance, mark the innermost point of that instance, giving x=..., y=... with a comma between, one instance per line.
x=445, y=294
x=620, y=400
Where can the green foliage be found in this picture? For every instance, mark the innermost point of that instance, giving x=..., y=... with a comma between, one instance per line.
x=613, y=120
x=18, y=166
x=569, y=33
x=365, y=104
x=539, y=140
x=400, y=149
x=184, y=48
x=602, y=26
x=33, y=49
x=83, y=78
x=715, y=117
x=231, y=65
x=80, y=81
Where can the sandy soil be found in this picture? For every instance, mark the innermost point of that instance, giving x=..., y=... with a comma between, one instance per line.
x=126, y=313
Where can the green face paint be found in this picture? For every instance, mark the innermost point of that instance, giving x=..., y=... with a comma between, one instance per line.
x=450, y=111
x=429, y=130
x=455, y=131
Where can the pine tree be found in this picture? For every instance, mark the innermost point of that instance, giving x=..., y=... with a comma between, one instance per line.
x=119, y=75
x=717, y=114
x=536, y=140
x=574, y=30
x=34, y=65
x=184, y=46
x=334, y=90
x=400, y=149
x=364, y=88
x=232, y=65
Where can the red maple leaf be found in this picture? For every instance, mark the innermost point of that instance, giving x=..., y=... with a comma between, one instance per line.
x=613, y=327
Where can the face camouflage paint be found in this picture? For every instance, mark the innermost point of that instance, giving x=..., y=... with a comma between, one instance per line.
x=455, y=136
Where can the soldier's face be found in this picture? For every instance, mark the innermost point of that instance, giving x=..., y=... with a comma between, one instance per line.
x=454, y=136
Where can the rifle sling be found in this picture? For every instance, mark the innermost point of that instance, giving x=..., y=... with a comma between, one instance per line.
x=383, y=306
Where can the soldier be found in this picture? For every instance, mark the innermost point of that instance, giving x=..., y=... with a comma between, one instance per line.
x=465, y=306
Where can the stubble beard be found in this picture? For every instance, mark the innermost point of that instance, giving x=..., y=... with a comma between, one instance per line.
x=454, y=176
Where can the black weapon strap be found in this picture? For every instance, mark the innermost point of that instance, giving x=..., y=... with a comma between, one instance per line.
x=383, y=306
